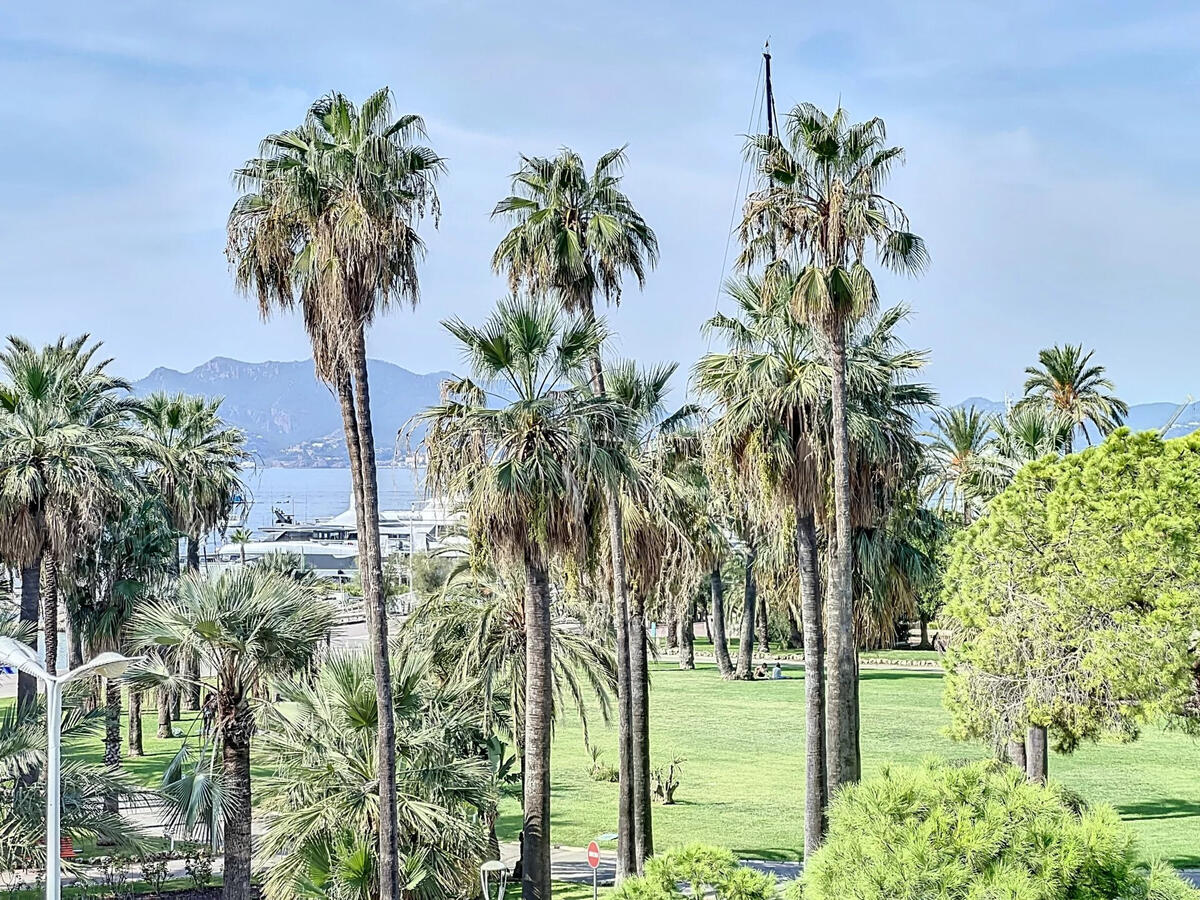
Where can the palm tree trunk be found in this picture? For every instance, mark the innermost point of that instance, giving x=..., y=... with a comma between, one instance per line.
x=687, y=635
x=795, y=639
x=371, y=562
x=841, y=707
x=925, y=645
x=135, y=724
x=815, y=797
x=671, y=628
x=112, y=735
x=720, y=642
x=535, y=884
x=236, y=773
x=1036, y=755
x=745, y=661
x=193, y=663
x=163, y=702
x=74, y=641
x=1016, y=753
x=31, y=596
x=762, y=622
x=50, y=613
x=626, y=856
x=639, y=703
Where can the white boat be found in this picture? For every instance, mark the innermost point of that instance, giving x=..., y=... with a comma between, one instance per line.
x=329, y=545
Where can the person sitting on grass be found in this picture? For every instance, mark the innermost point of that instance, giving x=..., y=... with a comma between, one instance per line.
x=761, y=672
x=777, y=672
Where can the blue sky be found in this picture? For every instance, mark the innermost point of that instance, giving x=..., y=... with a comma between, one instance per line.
x=1051, y=155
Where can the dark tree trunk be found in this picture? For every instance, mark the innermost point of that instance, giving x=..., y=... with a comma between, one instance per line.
x=193, y=663
x=720, y=642
x=841, y=706
x=31, y=595
x=74, y=642
x=924, y=645
x=112, y=735
x=135, y=724
x=639, y=705
x=745, y=660
x=687, y=636
x=795, y=639
x=163, y=702
x=50, y=613
x=626, y=830
x=235, y=714
x=1016, y=753
x=672, y=629
x=1037, y=754
x=815, y=799
x=628, y=839
x=374, y=598
x=762, y=622
x=535, y=884
x=177, y=695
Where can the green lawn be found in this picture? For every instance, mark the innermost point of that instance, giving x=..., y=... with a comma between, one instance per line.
x=743, y=782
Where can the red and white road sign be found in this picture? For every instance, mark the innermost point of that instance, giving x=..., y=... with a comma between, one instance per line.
x=594, y=855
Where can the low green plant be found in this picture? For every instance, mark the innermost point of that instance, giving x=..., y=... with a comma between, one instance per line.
x=599, y=769
x=198, y=866
x=665, y=780
x=703, y=871
x=969, y=832
x=154, y=871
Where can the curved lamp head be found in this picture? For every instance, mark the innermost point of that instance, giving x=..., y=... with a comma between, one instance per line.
x=22, y=657
x=110, y=665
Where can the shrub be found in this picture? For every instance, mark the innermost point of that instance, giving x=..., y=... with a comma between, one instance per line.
x=199, y=865
x=704, y=871
x=973, y=832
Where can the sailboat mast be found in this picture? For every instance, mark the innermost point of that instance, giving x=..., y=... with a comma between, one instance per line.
x=770, y=91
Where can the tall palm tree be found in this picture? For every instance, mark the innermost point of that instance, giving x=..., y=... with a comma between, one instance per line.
x=811, y=226
x=194, y=460
x=246, y=626
x=526, y=474
x=64, y=445
x=328, y=222
x=962, y=450
x=575, y=237
x=1067, y=383
x=242, y=537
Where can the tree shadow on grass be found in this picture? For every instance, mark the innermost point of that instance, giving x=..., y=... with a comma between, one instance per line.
x=1161, y=808
x=771, y=854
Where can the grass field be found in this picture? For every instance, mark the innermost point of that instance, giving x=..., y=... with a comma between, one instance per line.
x=743, y=782
x=743, y=779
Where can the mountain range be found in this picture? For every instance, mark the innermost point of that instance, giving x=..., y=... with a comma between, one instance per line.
x=292, y=419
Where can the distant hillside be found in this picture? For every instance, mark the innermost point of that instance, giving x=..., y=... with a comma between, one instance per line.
x=292, y=419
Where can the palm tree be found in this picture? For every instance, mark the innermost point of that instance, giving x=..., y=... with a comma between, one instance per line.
x=328, y=222
x=962, y=450
x=318, y=742
x=86, y=788
x=575, y=237
x=476, y=630
x=246, y=626
x=811, y=226
x=242, y=537
x=1068, y=384
x=63, y=447
x=526, y=474
x=194, y=461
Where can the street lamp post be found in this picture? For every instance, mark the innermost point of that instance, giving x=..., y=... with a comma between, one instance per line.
x=22, y=656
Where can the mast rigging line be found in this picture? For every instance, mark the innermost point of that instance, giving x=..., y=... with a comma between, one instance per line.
x=739, y=192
